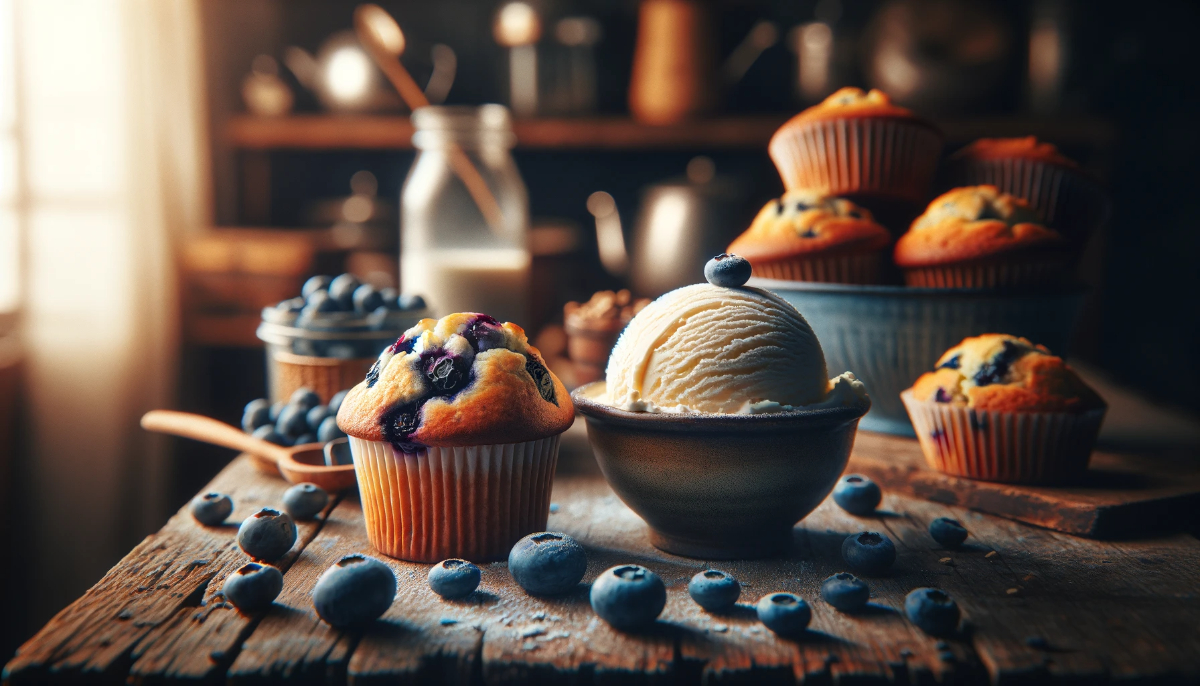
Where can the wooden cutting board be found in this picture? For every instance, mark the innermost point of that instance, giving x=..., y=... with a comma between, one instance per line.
x=1123, y=494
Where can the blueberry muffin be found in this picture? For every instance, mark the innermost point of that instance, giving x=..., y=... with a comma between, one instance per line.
x=858, y=142
x=1069, y=199
x=454, y=434
x=978, y=237
x=999, y=408
x=810, y=236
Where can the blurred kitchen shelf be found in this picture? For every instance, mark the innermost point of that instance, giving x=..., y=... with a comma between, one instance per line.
x=341, y=132
x=235, y=330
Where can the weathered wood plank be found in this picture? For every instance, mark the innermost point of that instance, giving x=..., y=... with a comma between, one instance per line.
x=165, y=577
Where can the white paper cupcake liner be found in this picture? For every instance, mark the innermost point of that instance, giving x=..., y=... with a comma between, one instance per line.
x=1041, y=448
x=862, y=268
x=467, y=502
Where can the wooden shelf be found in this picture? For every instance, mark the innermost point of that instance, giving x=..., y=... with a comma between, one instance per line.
x=337, y=132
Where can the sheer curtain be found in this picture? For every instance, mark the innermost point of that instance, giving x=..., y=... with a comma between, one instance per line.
x=108, y=171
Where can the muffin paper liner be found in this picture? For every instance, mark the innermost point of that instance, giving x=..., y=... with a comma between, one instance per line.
x=859, y=155
x=1036, y=448
x=862, y=268
x=467, y=502
x=1012, y=272
x=1068, y=200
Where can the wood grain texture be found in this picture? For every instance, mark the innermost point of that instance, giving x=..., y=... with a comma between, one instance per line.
x=1123, y=494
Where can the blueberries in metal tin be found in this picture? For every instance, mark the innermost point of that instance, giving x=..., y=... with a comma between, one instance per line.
x=256, y=414
x=628, y=596
x=314, y=284
x=292, y=421
x=366, y=298
x=305, y=397
x=315, y=416
x=211, y=509
x=950, y=533
x=253, y=587
x=845, y=592
x=410, y=302
x=714, y=590
x=319, y=302
x=389, y=298
x=857, y=494
x=932, y=610
x=276, y=409
x=727, y=270
x=267, y=535
x=335, y=403
x=269, y=434
x=454, y=578
x=784, y=613
x=291, y=305
x=869, y=553
x=342, y=290
x=547, y=563
x=305, y=501
x=329, y=430
x=356, y=590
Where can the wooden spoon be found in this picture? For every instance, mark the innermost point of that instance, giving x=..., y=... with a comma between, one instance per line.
x=298, y=464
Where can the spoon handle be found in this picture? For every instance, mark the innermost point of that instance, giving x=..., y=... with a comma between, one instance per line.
x=210, y=430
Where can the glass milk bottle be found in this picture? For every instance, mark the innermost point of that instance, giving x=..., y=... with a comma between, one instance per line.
x=464, y=215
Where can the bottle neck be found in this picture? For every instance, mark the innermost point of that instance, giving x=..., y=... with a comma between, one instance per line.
x=472, y=128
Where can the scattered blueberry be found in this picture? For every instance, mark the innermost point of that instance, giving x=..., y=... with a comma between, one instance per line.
x=845, y=592
x=319, y=302
x=869, y=553
x=410, y=302
x=454, y=578
x=628, y=596
x=354, y=591
x=948, y=532
x=314, y=284
x=305, y=397
x=267, y=535
x=306, y=438
x=269, y=434
x=315, y=416
x=256, y=414
x=857, y=494
x=932, y=610
x=211, y=509
x=329, y=430
x=335, y=403
x=276, y=410
x=714, y=590
x=547, y=563
x=253, y=587
x=366, y=299
x=784, y=613
x=727, y=270
x=305, y=501
x=292, y=421
x=342, y=290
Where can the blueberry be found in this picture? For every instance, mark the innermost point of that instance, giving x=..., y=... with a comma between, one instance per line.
x=305, y=439
x=727, y=270
x=942, y=396
x=315, y=416
x=276, y=409
x=389, y=298
x=319, y=301
x=857, y=494
x=948, y=532
x=447, y=373
x=366, y=299
x=291, y=305
x=267, y=535
x=454, y=578
x=342, y=290
x=932, y=610
x=305, y=501
x=410, y=302
x=335, y=403
x=211, y=509
x=256, y=414
x=292, y=421
x=354, y=591
x=314, y=284
x=329, y=430
x=269, y=434
x=808, y=233
x=952, y=363
x=305, y=397
x=869, y=553
x=714, y=590
x=547, y=563
x=996, y=369
x=784, y=613
x=628, y=596
x=253, y=587
x=845, y=592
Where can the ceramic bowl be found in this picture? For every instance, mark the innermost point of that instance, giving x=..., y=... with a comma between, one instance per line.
x=890, y=335
x=718, y=486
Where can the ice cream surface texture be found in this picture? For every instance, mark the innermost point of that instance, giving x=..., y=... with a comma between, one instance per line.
x=708, y=349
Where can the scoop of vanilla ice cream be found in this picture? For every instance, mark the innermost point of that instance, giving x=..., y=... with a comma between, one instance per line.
x=704, y=348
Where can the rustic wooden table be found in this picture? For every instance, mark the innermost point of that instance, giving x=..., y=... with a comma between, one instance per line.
x=1126, y=610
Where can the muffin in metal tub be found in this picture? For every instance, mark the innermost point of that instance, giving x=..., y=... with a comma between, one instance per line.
x=720, y=486
x=890, y=335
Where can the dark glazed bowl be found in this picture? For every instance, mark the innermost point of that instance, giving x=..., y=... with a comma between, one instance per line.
x=718, y=486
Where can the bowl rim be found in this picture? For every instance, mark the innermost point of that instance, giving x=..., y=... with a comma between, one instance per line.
x=789, y=420
x=1062, y=290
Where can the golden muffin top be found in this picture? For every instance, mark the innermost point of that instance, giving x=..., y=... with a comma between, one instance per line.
x=807, y=222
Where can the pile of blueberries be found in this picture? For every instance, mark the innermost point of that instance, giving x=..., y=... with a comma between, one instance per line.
x=322, y=295
x=302, y=419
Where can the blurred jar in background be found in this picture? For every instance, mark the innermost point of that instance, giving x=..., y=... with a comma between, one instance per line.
x=448, y=250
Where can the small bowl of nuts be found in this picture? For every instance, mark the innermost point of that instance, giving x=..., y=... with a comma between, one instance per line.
x=593, y=327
